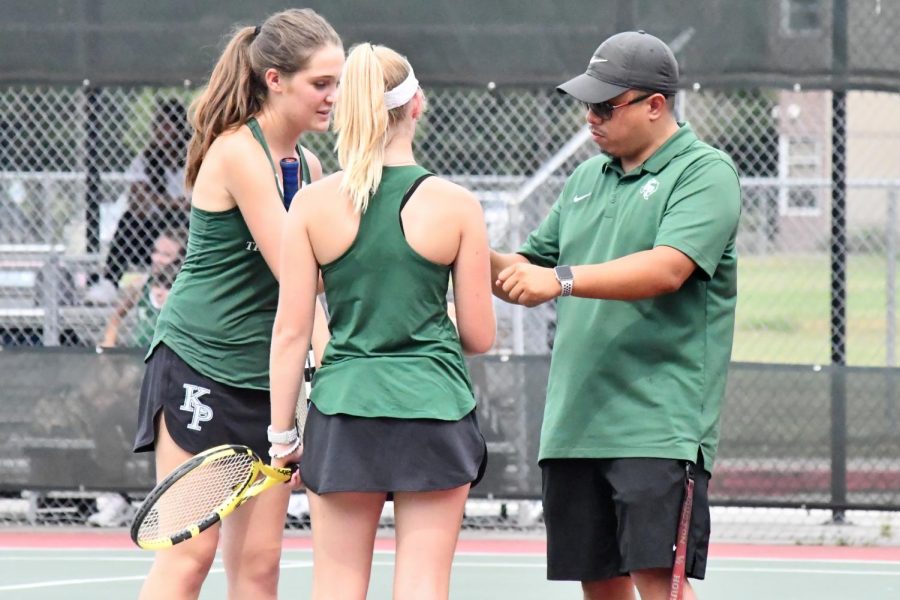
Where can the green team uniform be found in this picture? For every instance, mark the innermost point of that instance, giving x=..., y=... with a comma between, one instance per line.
x=219, y=314
x=147, y=315
x=643, y=378
x=390, y=354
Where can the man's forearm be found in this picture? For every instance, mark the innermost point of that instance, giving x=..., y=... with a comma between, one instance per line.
x=645, y=274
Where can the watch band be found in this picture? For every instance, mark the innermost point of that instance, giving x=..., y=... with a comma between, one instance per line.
x=565, y=278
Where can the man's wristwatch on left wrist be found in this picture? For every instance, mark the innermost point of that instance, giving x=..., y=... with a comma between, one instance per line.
x=565, y=278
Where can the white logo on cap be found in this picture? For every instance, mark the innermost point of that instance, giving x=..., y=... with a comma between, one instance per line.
x=596, y=60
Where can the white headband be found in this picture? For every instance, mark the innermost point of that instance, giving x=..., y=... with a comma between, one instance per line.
x=403, y=93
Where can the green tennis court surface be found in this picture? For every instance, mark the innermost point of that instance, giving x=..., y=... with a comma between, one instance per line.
x=76, y=567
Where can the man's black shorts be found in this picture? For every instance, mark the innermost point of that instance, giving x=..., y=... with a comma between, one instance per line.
x=200, y=412
x=609, y=517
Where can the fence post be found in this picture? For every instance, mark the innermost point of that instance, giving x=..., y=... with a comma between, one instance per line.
x=839, y=253
x=92, y=168
x=891, y=308
x=890, y=236
x=51, y=282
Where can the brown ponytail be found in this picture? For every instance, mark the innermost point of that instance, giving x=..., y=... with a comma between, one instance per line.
x=236, y=90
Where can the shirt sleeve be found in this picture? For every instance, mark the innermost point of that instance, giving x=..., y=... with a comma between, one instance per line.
x=542, y=246
x=702, y=214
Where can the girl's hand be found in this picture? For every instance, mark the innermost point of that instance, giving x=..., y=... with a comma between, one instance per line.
x=293, y=458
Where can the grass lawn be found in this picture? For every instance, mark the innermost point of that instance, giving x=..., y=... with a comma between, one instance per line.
x=783, y=309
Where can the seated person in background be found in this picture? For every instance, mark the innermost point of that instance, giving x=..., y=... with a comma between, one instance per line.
x=156, y=200
x=149, y=293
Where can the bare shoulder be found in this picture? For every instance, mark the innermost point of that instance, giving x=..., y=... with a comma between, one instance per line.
x=234, y=146
x=320, y=194
x=451, y=195
x=322, y=187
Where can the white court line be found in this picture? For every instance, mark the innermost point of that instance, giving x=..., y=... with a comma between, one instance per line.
x=801, y=571
x=815, y=561
x=68, y=549
x=68, y=582
x=91, y=559
x=711, y=568
x=390, y=563
x=293, y=564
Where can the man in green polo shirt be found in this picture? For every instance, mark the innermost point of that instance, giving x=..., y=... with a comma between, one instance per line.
x=639, y=249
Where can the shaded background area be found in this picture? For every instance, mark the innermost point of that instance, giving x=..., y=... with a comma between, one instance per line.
x=67, y=420
x=465, y=41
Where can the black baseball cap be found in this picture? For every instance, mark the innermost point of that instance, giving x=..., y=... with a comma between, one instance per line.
x=629, y=60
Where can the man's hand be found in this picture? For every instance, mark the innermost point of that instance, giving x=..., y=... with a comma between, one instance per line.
x=529, y=284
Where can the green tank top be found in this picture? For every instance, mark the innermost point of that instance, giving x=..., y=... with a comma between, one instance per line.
x=394, y=351
x=219, y=314
x=147, y=315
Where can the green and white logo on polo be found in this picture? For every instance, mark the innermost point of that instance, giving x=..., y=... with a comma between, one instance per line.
x=649, y=188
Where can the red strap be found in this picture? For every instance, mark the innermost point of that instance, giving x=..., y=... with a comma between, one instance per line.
x=676, y=590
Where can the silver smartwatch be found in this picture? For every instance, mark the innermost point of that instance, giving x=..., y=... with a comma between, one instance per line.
x=565, y=278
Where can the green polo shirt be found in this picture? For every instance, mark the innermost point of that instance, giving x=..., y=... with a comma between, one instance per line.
x=643, y=378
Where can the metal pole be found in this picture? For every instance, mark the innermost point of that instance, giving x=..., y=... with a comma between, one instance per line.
x=839, y=268
x=92, y=182
x=51, y=283
x=891, y=299
x=518, y=312
x=90, y=16
x=891, y=316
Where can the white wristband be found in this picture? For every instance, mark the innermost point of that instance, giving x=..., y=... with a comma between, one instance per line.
x=291, y=449
x=282, y=437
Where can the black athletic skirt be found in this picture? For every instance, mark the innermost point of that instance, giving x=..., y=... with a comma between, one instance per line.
x=200, y=412
x=344, y=453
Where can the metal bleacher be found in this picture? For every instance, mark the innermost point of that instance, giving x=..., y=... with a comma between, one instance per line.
x=40, y=301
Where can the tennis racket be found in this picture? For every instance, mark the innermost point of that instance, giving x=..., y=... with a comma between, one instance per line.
x=202, y=491
x=291, y=176
x=309, y=370
x=676, y=584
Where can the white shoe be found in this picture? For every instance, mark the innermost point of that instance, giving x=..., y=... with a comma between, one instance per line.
x=112, y=511
x=529, y=513
x=102, y=292
x=298, y=506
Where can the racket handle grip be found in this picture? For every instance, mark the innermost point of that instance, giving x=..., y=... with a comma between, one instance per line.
x=290, y=178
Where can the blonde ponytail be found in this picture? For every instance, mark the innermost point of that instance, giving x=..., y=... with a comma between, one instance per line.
x=362, y=120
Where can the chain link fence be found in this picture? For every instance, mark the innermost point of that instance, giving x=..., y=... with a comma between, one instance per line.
x=92, y=217
x=74, y=176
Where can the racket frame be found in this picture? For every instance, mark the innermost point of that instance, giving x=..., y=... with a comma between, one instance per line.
x=249, y=488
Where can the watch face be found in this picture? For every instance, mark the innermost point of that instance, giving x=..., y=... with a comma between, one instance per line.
x=563, y=272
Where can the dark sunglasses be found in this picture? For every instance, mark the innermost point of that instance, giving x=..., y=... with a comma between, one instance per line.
x=604, y=110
